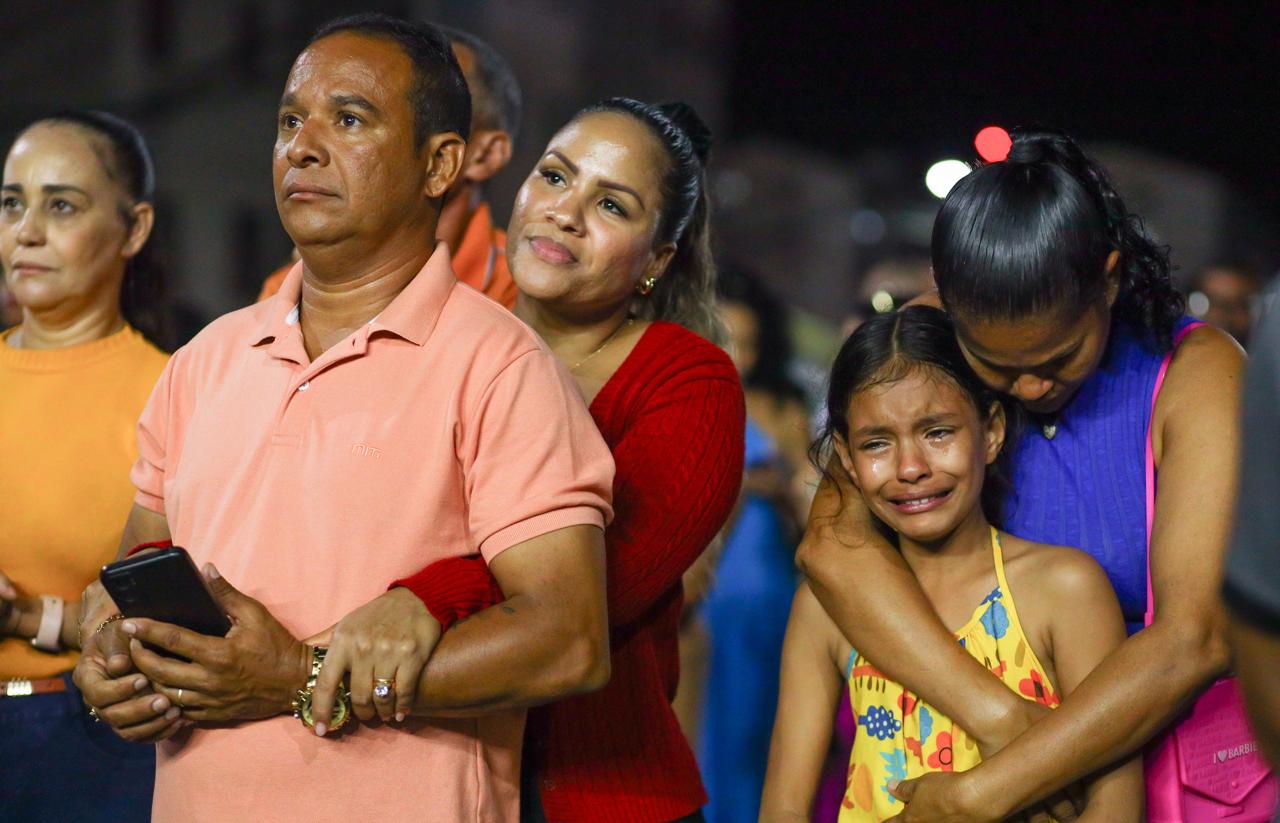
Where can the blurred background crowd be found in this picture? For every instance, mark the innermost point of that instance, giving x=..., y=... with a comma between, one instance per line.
x=837, y=127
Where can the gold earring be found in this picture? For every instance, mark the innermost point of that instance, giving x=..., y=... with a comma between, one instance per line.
x=647, y=285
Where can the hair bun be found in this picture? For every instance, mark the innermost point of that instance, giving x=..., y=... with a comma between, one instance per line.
x=1025, y=152
x=1037, y=145
x=683, y=115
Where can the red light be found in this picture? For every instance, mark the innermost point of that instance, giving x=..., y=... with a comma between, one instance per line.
x=993, y=144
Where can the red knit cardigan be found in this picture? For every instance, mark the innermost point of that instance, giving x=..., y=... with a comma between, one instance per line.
x=673, y=416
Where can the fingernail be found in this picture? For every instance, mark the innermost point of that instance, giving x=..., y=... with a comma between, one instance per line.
x=140, y=684
x=321, y=729
x=893, y=784
x=172, y=713
x=399, y=717
x=212, y=571
x=129, y=627
x=160, y=703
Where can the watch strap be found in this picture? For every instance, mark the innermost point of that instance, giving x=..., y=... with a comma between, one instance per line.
x=49, y=636
x=302, y=698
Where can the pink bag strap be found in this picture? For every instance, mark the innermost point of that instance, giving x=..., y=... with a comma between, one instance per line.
x=1151, y=461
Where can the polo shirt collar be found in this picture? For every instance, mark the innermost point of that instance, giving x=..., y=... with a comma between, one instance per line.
x=280, y=311
x=412, y=315
x=414, y=312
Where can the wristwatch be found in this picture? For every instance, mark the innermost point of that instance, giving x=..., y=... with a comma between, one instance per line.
x=49, y=636
x=302, y=698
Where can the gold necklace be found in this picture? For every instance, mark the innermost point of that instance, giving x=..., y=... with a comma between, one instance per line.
x=606, y=342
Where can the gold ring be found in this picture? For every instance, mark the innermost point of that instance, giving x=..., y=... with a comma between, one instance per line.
x=113, y=618
x=178, y=700
x=93, y=712
x=383, y=687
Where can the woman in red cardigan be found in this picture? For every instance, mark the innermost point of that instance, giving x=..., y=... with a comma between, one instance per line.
x=608, y=245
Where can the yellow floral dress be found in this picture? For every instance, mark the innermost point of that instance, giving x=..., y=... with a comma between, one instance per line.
x=900, y=736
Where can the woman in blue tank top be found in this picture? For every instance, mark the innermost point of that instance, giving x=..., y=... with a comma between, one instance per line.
x=1061, y=300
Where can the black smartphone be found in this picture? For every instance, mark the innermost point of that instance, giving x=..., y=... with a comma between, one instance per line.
x=165, y=586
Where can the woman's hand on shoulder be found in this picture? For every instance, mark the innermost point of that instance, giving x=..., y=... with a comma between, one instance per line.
x=388, y=639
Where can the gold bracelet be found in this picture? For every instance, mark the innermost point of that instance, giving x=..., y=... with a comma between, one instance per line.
x=113, y=618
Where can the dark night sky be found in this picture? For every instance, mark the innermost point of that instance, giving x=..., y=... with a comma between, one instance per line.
x=1197, y=86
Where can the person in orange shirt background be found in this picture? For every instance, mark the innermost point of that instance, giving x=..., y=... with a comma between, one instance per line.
x=466, y=223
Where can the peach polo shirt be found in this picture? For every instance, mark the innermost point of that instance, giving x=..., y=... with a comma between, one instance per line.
x=442, y=425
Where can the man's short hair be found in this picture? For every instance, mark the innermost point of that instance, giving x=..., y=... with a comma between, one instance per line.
x=438, y=94
x=496, y=100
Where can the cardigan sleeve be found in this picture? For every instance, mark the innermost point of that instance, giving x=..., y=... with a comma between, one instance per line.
x=679, y=474
x=454, y=588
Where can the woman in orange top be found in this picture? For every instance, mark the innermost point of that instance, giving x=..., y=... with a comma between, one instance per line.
x=75, y=216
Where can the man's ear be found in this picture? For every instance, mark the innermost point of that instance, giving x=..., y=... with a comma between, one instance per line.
x=488, y=152
x=995, y=431
x=443, y=153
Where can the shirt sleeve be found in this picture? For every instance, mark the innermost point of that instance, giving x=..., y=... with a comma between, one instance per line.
x=679, y=475
x=1252, y=583
x=533, y=460
x=154, y=427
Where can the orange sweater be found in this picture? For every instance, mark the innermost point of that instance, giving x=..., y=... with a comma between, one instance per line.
x=67, y=442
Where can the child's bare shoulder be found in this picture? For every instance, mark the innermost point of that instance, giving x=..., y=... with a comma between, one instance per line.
x=809, y=617
x=1061, y=572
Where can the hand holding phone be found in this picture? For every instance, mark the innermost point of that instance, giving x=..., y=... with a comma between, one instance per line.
x=246, y=674
x=165, y=586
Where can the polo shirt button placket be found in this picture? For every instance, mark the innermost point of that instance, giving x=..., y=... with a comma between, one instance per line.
x=293, y=416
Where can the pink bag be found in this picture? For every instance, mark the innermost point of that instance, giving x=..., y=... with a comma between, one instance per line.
x=1206, y=766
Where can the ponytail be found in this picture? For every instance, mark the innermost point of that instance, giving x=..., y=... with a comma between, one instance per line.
x=1033, y=233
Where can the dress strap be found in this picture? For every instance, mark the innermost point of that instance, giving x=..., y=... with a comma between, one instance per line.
x=997, y=555
x=1016, y=628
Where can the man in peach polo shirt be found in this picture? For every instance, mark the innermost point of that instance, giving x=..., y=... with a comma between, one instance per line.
x=466, y=223
x=373, y=416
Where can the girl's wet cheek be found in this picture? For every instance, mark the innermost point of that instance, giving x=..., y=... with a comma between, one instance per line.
x=877, y=464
